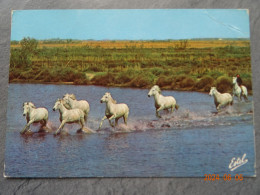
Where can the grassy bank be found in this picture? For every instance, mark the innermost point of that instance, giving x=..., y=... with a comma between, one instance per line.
x=194, y=65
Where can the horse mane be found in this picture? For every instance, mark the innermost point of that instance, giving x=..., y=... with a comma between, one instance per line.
x=72, y=96
x=156, y=87
x=113, y=100
x=29, y=104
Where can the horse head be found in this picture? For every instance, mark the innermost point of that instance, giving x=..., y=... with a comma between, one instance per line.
x=212, y=91
x=106, y=98
x=155, y=89
x=29, y=104
x=26, y=108
x=57, y=104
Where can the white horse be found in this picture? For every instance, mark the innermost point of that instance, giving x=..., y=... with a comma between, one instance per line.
x=70, y=116
x=34, y=115
x=220, y=99
x=70, y=100
x=162, y=102
x=239, y=91
x=114, y=110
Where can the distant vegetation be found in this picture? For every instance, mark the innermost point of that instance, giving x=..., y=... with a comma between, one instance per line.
x=194, y=65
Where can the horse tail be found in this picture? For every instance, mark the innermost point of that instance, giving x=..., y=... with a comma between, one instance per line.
x=176, y=106
x=231, y=103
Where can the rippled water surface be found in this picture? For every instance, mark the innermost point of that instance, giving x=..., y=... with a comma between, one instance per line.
x=192, y=141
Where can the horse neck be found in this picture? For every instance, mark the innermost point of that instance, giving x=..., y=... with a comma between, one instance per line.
x=216, y=94
x=236, y=85
x=30, y=111
x=157, y=96
x=109, y=104
x=62, y=108
x=72, y=102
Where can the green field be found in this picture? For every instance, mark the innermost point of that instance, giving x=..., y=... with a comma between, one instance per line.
x=194, y=65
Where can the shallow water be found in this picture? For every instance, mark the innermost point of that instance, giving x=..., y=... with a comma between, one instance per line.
x=192, y=141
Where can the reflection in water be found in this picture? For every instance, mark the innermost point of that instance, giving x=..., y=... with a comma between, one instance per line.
x=189, y=142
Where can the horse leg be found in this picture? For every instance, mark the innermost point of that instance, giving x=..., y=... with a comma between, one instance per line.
x=172, y=108
x=84, y=129
x=116, y=121
x=245, y=97
x=157, y=112
x=239, y=97
x=27, y=126
x=125, y=118
x=111, y=124
x=112, y=117
x=85, y=117
x=60, y=127
x=102, y=121
x=43, y=124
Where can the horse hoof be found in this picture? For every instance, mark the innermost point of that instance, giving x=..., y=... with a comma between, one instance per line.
x=29, y=132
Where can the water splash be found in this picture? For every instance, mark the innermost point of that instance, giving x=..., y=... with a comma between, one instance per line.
x=181, y=119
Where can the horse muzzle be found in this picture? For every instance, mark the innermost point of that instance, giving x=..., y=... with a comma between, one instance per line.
x=24, y=114
x=53, y=109
x=148, y=95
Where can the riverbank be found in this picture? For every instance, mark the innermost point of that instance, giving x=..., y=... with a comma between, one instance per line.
x=184, y=65
x=190, y=89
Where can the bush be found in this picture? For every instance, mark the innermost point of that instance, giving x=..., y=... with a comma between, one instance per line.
x=215, y=74
x=247, y=83
x=164, y=81
x=179, y=78
x=205, y=83
x=224, y=84
x=124, y=77
x=104, y=79
x=187, y=82
x=157, y=71
x=143, y=80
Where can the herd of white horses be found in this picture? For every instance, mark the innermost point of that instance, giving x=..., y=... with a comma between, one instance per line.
x=76, y=111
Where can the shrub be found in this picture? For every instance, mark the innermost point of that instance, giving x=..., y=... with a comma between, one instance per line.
x=81, y=81
x=215, y=74
x=224, y=84
x=157, y=71
x=164, y=81
x=104, y=79
x=187, y=82
x=247, y=83
x=143, y=80
x=179, y=78
x=205, y=83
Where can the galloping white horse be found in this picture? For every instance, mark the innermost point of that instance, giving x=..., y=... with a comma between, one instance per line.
x=162, y=102
x=114, y=110
x=237, y=91
x=34, y=115
x=220, y=99
x=70, y=100
x=70, y=116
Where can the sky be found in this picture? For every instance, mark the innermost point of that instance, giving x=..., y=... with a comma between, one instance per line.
x=130, y=24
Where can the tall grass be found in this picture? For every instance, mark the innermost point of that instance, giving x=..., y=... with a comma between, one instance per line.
x=136, y=64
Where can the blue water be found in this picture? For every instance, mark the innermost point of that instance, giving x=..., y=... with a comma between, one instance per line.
x=192, y=141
